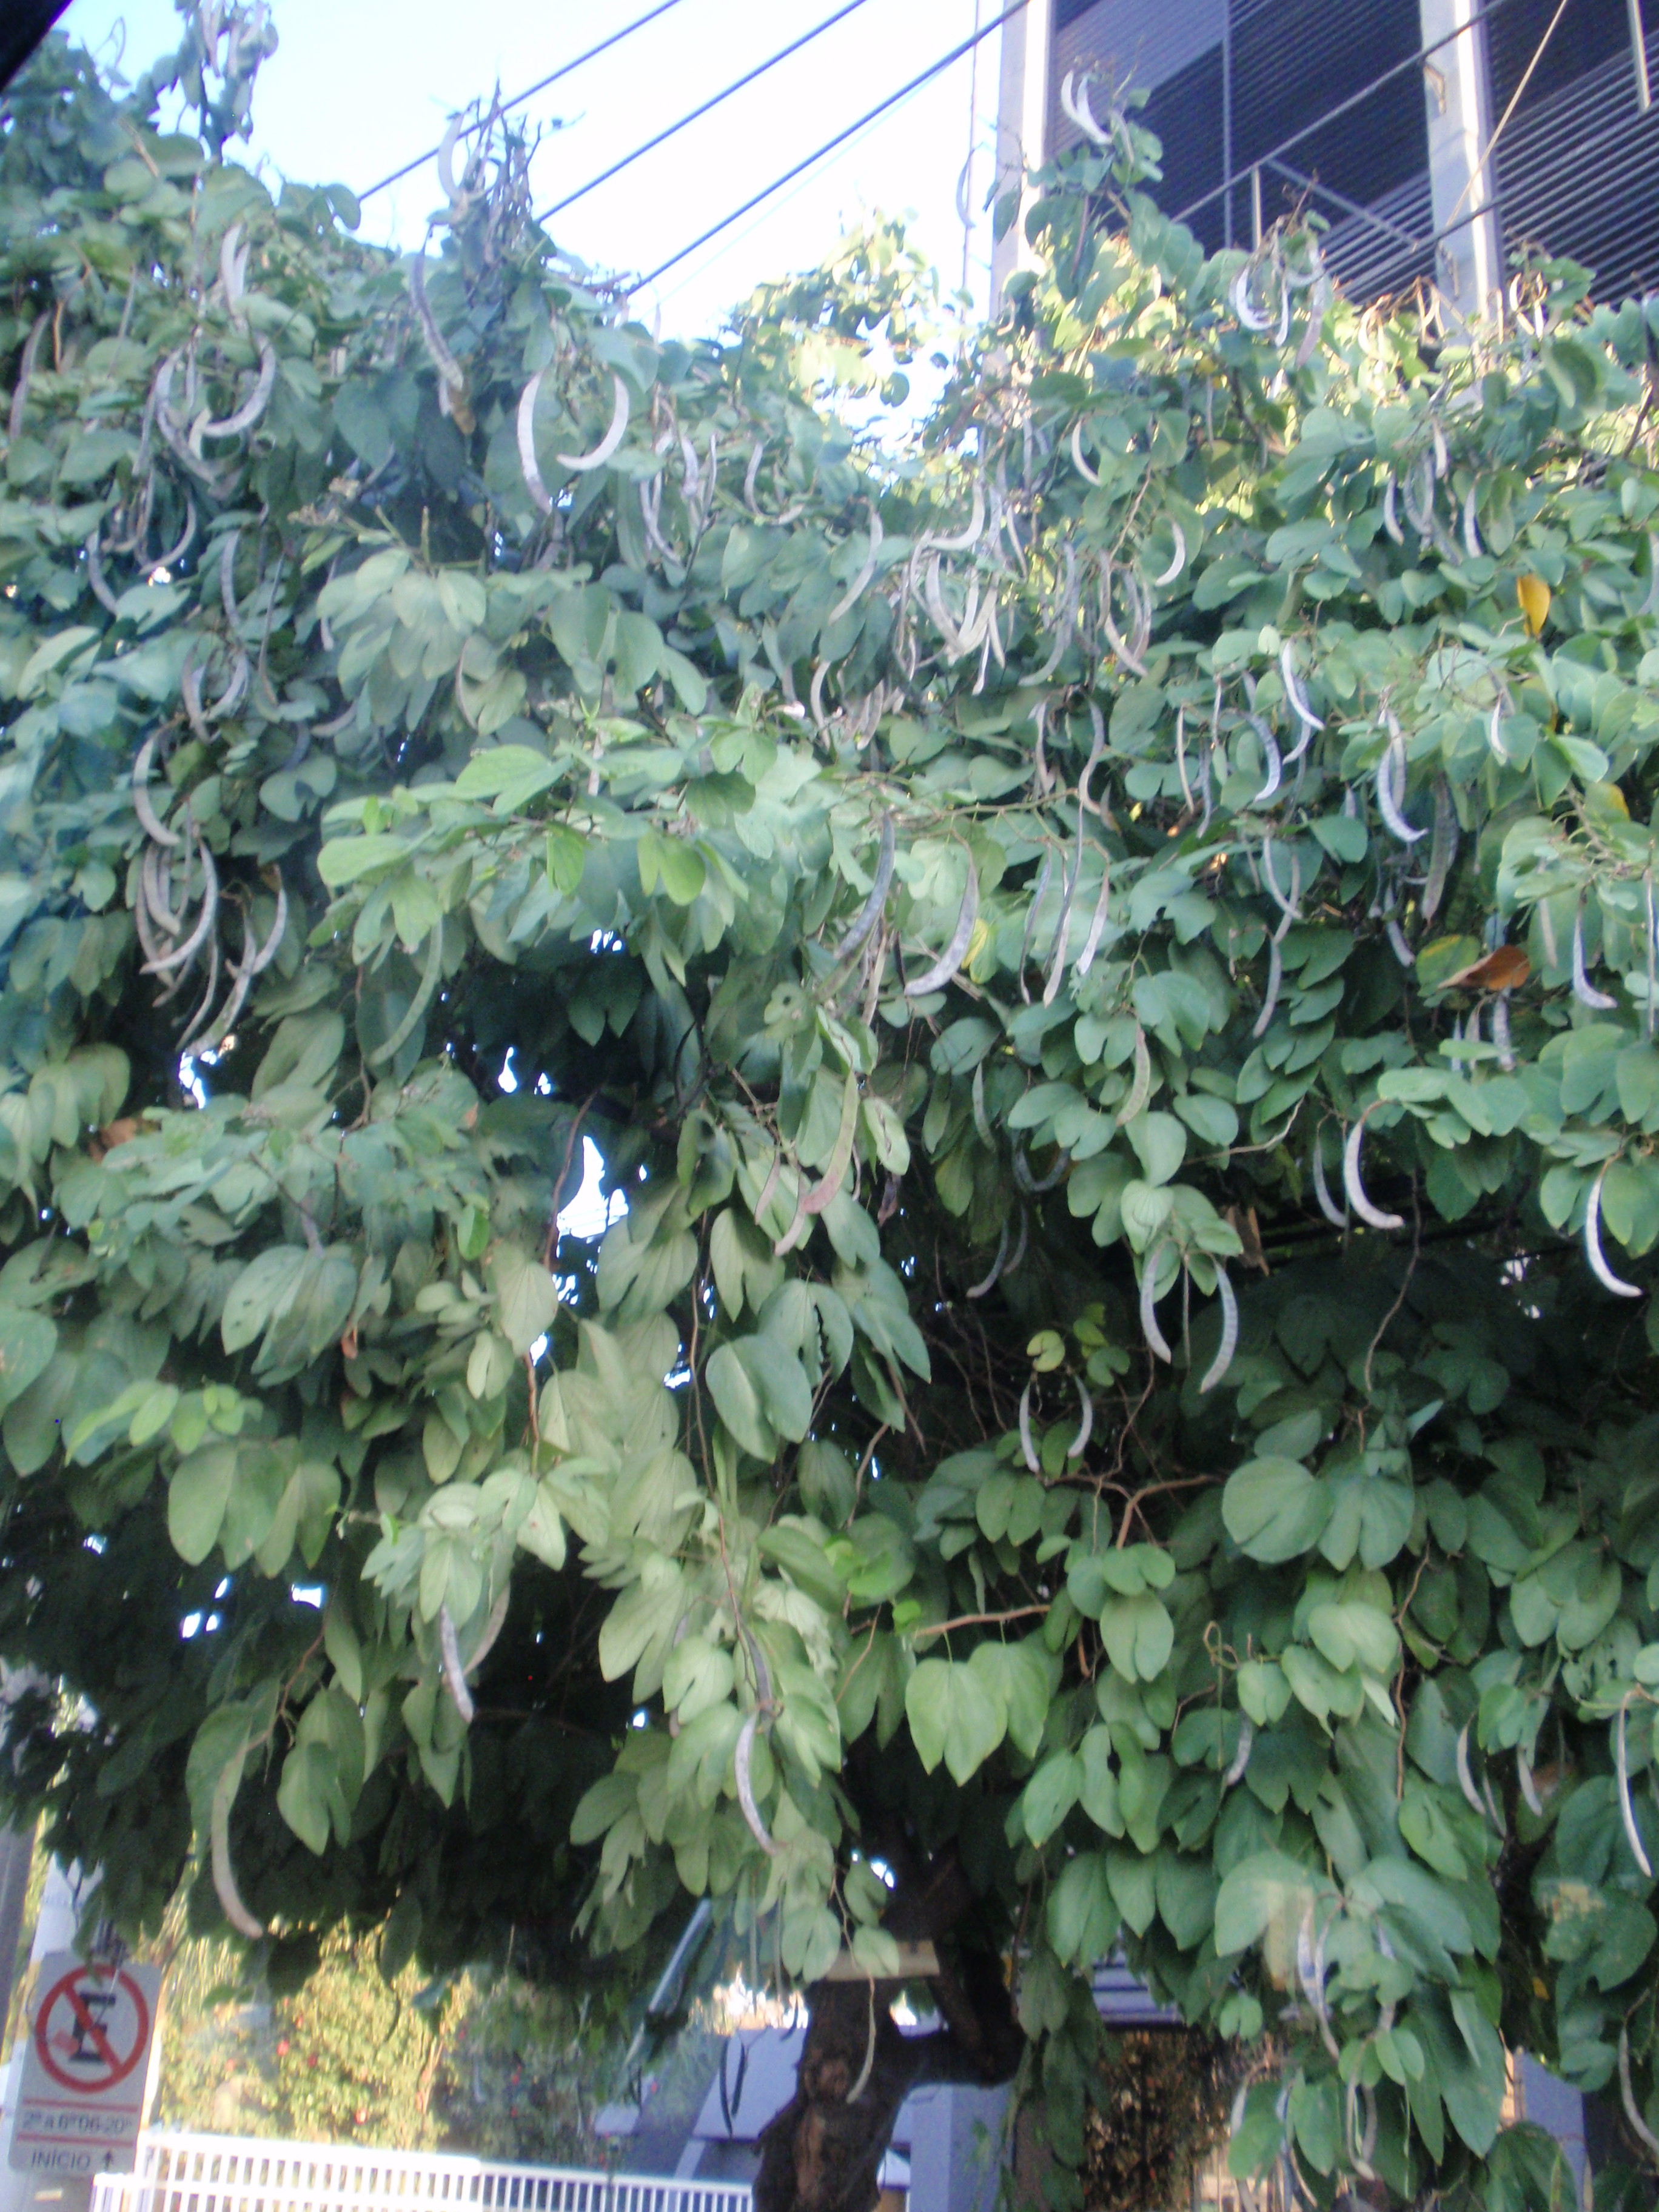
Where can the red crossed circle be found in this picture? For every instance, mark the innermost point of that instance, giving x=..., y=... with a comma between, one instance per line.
x=66, y=1995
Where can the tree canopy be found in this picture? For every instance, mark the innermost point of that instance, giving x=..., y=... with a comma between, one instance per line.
x=1108, y=955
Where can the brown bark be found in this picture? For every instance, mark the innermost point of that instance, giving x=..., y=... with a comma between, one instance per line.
x=823, y=2152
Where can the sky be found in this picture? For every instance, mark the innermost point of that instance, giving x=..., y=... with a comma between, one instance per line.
x=358, y=87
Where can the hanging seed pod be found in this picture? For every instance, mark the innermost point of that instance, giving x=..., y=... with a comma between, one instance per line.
x=1472, y=544
x=1177, y=560
x=1632, y=2111
x=1397, y=944
x=1140, y=1086
x=1583, y=989
x=1444, y=851
x=224, y=1877
x=1633, y=1834
x=1083, y=469
x=1534, y=1803
x=153, y=826
x=1085, y=1427
x=1149, y=1326
x=452, y=1661
x=741, y=1759
x=1465, y=1779
x=95, y=578
x=1216, y=1369
x=1328, y=1205
x=1270, y=753
x=1500, y=1031
x=870, y=913
x=856, y=589
x=608, y=444
x=1241, y=1759
x=1390, y=519
x=527, y=462
x=981, y=1119
x=1294, y=692
x=1373, y=1216
x=1391, y=791
x=20, y=398
x=936, y=977
x=1019, y=1252
x=1494, y=738
x=252, y=409
x=1027, y=1446
x=1593, y=1252
x=983, y=1290
x=1275, y=979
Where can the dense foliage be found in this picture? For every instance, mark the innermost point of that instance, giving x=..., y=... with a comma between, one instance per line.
x=1190, y=814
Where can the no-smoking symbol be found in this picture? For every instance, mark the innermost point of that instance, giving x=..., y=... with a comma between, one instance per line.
x=92, y=2029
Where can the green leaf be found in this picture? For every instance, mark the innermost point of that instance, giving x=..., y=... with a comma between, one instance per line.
x=1267, y=1891
x=1049, y=1796
x=1138, y=1636
x=1275, y=1510
x=197, y=1498
x=526, y=1298
x=510, y=775
x=953, y=1715
x=1083, y=1916
x=28, y=1341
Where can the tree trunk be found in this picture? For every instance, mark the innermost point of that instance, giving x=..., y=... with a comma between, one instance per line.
x=823, y=2152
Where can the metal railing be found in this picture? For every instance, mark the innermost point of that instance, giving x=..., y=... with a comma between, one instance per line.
x=179, y=2172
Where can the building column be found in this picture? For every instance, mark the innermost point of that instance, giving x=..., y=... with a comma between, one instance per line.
x=1457, y=85
x=1022, y=128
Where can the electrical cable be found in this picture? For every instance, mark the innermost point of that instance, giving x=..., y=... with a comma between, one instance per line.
x=829, y=144
x=1491, y=146
x=1477, y=17
x=697, y=113
x=530, y=92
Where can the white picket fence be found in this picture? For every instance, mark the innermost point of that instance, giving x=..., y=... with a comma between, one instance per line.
x=179, y=2172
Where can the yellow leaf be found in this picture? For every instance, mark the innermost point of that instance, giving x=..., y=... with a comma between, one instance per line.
x=1533, y=593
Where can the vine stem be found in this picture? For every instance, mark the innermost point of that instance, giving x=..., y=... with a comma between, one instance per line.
x=976, y=1620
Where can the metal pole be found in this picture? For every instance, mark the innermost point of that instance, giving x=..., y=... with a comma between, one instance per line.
x=1256, y=202
x=1639, y=54
x=1227, y=118
x=16, y=1852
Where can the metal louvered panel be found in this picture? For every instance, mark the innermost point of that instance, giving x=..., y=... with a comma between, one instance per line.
x=1579, y=176
x=1369, y=259
x=1133, y=42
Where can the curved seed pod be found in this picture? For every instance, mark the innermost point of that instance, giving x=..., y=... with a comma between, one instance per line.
x=178, y=552
x=1651, y=604
x=233, y=268
x=1622, y=1761
x=1397, y=944
x=1178, y=560
x=983, y=1290
x=267, y=952
x=445, y=160
x=1034, y=1187
x=204, y=1005
x=1045, y=775
x=855, y=590
x=242, y=979
x=533, y=475
x=153, y=826
x=417, y=1005
x=1019, y=1252
x=1063, y=926
x=1082, y=115
x=1465, y=1779
x=751, y=475
x=1027, y=1446
x=1141, y=1088
x=1240, y=296
x=1391, y=789
x=981, y=1119
x=1632, y=2110
x=1088, y=475
x=1493, y=733
x=228, y=551
x=936, y=977
x=932, y=596
x=1444, y=851
x=1114, y=637
x=224, y=1877
x=1583, y=989
x=190, y=690
x=1310, y=1972
x=612, y=438
x=1534, y=1803
x=1086, y=959
x=193, y=943
x=1390, y=519
x=1290, y=907
x=20, y=398
x=817, y=1199
x=252, y=407
x=1328, y=1205
x=1242, y=1757
x=1085, y=1427
x=746, y=1788
x=235, y=692
x=1294, y=691
x=1437, y=437
x=1593, y=1252
x=1275, y=979
x=1216, y=1369
x=161, y=392
x=1471, y=534
x=868, y=2066
x=1500, y=1031
x=1149, y=1327
x=442, y=358
x=1275, y=766
x=799, y=1227
x=101, y=590
x=870, y=913
x=152, y=892
x=1373, y=1216
x=967, y=539
x=452, y=1659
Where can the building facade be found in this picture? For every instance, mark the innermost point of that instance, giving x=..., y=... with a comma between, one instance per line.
x=1438, y=138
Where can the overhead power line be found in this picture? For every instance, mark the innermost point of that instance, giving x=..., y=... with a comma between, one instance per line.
x=697, y=113
x=829, y=144
x=530, y=91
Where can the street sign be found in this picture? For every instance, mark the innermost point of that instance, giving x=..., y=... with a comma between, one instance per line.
x=82, y=2091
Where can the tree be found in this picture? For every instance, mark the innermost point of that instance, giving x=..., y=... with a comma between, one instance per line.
x=975, y=899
